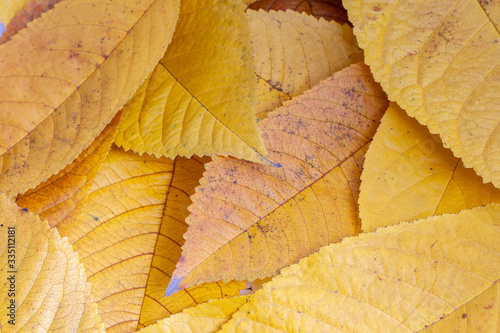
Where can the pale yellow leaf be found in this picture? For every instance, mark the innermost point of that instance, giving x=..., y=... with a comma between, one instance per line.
x=9, y=8
x=46, y=280
x=129, y=237
x=65, y=76
x=408, y=174
x=204, y=318
x=440, y=61
x=199, y=98
x=293, y=52
x=441, y=271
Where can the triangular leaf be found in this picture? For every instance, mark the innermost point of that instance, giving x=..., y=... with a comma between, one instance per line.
x=42, y=277
x=64, y=78
x=248, y=220
x=293, y=52
x=129, y=237
x=441, y=271
x=440, y=61
x=408, y=174
x=199, y=99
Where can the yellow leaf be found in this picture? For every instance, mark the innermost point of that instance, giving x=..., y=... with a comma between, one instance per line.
x=408, y=174
x=204, y=318
x=293, y=52
x=46, y=282
x=249, y=220
x=129, y=238
x=9, y=8
x=64, y=78
x=439, y=60
x=61, y=198
x=442, y=271
x=199, y=98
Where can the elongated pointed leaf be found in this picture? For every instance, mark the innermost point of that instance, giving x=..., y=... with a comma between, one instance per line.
x=42, y=277
x=204, y=318
x=61, y=198
x=64, y=78
x=247, y=220
x=129, y=237
x=199, y=99
x=439, y=60
x=293, y=52
x=439, y=274
x=408, y=174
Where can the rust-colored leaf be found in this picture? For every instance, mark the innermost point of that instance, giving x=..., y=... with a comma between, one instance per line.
x=247, y=220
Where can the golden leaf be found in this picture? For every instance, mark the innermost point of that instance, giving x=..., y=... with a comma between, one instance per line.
x=65, y=76
x=61, y=198
x=46, y=282
x=248, y=220
x=293, y=52
x=408, y=174
x=129, y=237
x=439, y=60
x=199, y=98
x=9, y=8
x=441, y=271
x=204, y=318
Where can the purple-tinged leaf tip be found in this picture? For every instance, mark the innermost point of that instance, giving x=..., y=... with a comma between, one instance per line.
x=173, y=286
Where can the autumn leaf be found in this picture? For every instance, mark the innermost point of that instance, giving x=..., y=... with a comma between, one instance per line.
x=129, y=237
x=408, y=174
x=9, y=8
x=248, y=220
x=46, y=280
x=439, y=274
x=440, y=62
x=65, y=76
x=61, y=198
x=199, y=98
x=329, y=9
x=293, y=52
x=204, y=318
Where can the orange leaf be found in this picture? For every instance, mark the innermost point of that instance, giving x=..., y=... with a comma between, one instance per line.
x=247, y=220
x=61, y=198
x=129, y=237
x=64, y=77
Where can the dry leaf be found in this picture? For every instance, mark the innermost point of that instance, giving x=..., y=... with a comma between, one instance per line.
x=199, y=99
x=61, y=198
x=129, y=237
x=327, y=9
x=408, y=174
x=439, y=274
x=64, y=78
x=248, y=220
x=204, y=318
x=46, y=279
x=293, y=52
x=439, y=60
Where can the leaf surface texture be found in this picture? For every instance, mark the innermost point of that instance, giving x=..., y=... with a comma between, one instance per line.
x=247, y=220
x=437, y=275
x=439, y=60
x=65, y=77
x=51, y=291
x=408, y=174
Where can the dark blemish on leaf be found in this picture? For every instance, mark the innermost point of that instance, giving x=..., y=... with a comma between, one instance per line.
x=376, y=9
x=24, y=209
x=464, y=315
x=487, y=307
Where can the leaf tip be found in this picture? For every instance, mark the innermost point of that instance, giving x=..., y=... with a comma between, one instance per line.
x=173, y=286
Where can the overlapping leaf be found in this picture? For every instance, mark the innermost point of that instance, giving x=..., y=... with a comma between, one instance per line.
x=440, y=275
x=46, y=279
x=64, y=77
x=204, y=318
x=9, y=8
x=329, y=9
x=61, y=198
x=408, y=174
x=248, y=220
x=293, y=52
x=440, y=61
x=129, y=237
x=199, y=98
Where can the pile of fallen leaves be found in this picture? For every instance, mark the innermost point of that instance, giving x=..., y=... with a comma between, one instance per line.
x=171, y=156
